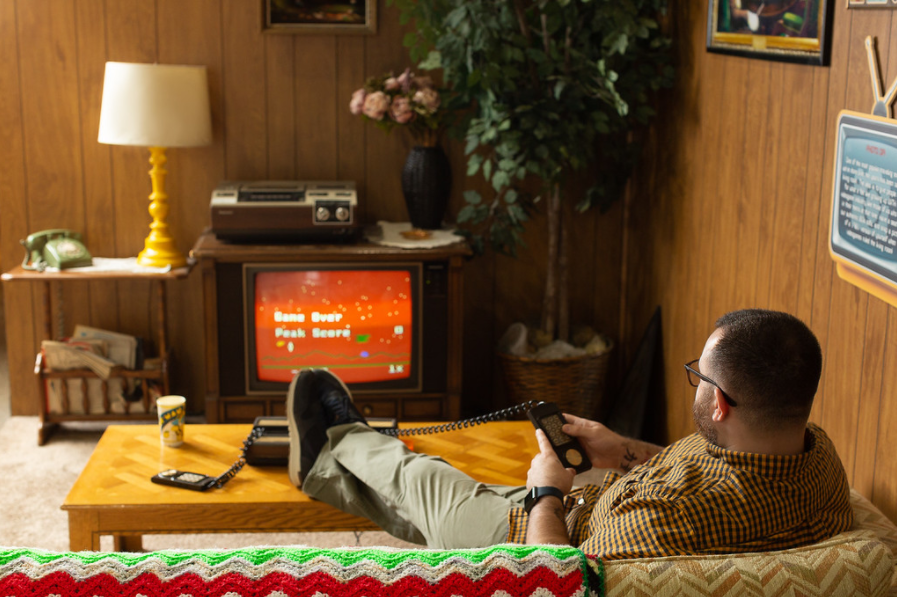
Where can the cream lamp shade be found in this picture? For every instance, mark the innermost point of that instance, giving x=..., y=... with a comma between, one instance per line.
x=156, y=106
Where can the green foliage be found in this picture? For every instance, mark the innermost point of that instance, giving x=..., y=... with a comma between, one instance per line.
x=556, y=87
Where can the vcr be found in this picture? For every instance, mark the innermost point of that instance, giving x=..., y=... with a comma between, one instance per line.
x=285, y=211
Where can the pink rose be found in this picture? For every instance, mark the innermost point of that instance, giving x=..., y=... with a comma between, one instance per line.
x=428, y=98
x=391, y=84
x=405, y=80
x=375, y=105
x=357, y=102
x=401, y=110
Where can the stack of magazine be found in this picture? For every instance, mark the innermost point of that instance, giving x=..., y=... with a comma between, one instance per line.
x=102, y=352
x=94, y=349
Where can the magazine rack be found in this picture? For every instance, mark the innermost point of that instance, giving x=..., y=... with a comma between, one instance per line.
x=50, y=418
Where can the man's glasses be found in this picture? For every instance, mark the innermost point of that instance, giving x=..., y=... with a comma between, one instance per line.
x=694, y=378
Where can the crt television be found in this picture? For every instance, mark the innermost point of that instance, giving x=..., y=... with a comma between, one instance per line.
x=381, y=328
x=863, y=239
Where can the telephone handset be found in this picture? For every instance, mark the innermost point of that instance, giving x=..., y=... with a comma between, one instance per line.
x=57, y=247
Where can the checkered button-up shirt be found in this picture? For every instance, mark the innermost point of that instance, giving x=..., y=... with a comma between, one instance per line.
x=697, y=498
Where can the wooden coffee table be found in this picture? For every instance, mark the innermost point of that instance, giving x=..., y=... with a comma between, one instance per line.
x=114, y=495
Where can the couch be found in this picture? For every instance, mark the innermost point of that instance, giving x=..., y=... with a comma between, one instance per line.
x=858, y=562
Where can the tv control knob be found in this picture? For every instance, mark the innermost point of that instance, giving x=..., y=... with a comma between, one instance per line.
x=342, y=214
x=322, y=214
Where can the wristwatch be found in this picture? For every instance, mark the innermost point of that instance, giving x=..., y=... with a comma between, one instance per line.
x=537, y=493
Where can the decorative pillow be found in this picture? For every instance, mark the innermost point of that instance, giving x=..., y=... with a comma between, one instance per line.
x=501, y=571
x=858, y=562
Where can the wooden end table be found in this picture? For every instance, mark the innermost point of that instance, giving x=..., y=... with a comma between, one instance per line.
x=114, y=494
x=49, y=419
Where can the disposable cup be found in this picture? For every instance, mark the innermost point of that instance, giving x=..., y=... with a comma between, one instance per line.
x=172, y=411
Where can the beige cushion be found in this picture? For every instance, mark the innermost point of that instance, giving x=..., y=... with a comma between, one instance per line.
x=858, y=562
x=868, y=517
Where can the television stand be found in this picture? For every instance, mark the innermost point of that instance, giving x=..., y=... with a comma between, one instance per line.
x=228, y=399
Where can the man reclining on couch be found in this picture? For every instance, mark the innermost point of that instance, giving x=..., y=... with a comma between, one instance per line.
x=756, y=476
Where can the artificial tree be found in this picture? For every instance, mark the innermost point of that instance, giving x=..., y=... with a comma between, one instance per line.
x=556, y=87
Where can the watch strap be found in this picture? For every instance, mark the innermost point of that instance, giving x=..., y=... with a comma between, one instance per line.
x=537, y=493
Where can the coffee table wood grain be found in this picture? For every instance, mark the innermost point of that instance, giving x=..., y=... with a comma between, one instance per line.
x=114, y=494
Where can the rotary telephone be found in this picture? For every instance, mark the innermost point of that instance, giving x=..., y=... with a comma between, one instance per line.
x=268, y=443
x=57, y=247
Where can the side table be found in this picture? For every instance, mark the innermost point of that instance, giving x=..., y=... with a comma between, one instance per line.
x=50, y=420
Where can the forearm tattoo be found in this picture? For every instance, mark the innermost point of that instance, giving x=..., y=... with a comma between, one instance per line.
x=629, y=459
x=560, y=514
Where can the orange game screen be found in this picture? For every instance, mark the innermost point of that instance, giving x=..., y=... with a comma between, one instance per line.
x=355, y=323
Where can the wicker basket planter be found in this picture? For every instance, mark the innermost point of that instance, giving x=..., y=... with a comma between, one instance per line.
x=576, y=384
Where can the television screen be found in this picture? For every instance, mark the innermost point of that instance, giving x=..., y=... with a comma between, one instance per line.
x=359, y=322
x=864, y=207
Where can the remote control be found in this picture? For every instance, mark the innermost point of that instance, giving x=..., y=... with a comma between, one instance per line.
x=547, y=417
x=183, y=479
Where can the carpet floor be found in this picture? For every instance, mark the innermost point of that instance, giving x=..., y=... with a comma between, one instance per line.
x=36, y=479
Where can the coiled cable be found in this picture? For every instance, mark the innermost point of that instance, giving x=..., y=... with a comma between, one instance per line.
x=499, y=415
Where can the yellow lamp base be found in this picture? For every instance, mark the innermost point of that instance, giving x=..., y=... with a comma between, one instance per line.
x=154, y=255
x=159, y=248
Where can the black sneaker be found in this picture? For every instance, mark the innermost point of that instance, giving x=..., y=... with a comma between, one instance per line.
x=306, y=423
x=336, y=400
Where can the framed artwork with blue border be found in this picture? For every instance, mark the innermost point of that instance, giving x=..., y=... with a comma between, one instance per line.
x=784, y=30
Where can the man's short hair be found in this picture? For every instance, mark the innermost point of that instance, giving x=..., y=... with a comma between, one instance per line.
x=769, y=362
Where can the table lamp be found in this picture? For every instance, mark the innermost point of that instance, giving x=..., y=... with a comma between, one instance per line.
x=156, y=106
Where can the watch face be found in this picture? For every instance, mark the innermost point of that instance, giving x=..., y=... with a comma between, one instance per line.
x=530, y=500
x=537, y=493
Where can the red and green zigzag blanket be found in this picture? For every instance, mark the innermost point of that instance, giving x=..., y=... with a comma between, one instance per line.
x=499, y=571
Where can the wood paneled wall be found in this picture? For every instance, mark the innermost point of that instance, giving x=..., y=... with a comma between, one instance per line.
x=280, y=111
x=731, y=211
x=728, y=210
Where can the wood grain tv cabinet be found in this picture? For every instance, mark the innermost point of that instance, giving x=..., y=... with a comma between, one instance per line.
x=228, y=399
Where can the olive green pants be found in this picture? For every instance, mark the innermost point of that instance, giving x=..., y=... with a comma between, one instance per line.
x=414, y=497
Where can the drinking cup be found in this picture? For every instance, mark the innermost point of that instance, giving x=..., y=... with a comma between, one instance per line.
x=172, y=412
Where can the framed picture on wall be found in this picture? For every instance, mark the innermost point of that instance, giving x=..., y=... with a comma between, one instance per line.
x=320, y=17
x=787, y=30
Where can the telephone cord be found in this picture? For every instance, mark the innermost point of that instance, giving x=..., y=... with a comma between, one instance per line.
x=236, y=467
x=505, y=413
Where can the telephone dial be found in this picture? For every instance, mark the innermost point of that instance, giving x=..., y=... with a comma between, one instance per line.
x=57, y=247
x=269, y=443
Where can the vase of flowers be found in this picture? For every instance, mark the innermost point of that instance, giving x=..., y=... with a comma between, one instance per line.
x=413, y=103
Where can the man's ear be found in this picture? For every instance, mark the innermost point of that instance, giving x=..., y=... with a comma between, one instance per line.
x=720, y=406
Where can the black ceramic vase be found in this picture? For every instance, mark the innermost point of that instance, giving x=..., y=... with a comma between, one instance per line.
x=426, y=184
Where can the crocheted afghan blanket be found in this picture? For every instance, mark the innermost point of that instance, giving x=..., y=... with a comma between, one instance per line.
x=499, y=571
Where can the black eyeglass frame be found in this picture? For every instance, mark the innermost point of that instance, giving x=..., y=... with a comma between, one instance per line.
x=689, y=369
